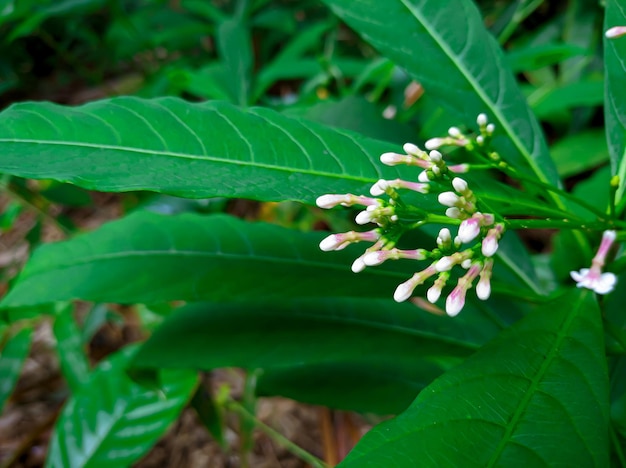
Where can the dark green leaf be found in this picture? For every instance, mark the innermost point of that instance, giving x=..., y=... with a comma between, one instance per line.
x=535, y=396
x=112, y=421
x=458, y=61
x=346, y=353
x=578, y=153
x=615, y=92
x=151, y=258
x=12, y=358
x=190, y=150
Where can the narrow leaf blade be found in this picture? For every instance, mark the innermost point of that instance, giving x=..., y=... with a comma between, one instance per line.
x=344, y=353
x=459, y=48
x=139, y=259
x=190, y=150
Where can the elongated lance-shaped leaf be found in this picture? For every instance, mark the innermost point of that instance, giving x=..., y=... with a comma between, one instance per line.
x=615, y=91
x=190, y=150
x=112, y=421
x=149, y=258
x=12, y=357
x=537, y=395
x=341, y=352
x=448, y=50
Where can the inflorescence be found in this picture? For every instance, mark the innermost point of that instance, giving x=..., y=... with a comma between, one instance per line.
x=471, y=250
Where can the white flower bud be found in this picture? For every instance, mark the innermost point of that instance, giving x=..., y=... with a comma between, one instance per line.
x=615, y=31
x=331, y=242
x=448, y=199
x=379, y=187
x=358, y=265
x=364, y=217
x=434, y=293
x=454, y=132
x=435, y=156
x=330, y=201
x=460, y=185
x=434, y=143
x=455, y=301
x=481, y=120
x=490, y=129
x=393, y=159
x=445, y=264
x=454, y=213
x=483, y=288
x=466, y=263
x=404, y=291
x=423, y=177
x=480, y=140
x=469, y=230
x=412, y=149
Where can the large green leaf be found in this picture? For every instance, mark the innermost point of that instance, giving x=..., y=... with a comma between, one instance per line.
x=151, y=258
x=191, y=150
x=12, y=357
x=615, y=91
x=344, y=353
x=448, y=50
x=535, y=396
x=71, y=350
x=112, y=421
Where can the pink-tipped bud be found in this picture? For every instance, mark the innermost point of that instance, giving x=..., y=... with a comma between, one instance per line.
x=490, y=243
x=393, y=159
x=455, y=301
x=459, y=168
x=615, y=31
x=469, y=230
x=333, y=242
x=330, y=200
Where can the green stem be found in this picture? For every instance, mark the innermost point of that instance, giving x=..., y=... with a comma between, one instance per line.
x=276, y=436
x=562, y=193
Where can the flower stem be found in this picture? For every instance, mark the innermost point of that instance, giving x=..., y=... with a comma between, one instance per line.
x=276, y=436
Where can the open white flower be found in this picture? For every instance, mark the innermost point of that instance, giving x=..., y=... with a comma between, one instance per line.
x=593, y=278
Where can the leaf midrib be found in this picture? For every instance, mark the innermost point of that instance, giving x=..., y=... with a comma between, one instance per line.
x=552, y=354
x=174, y=154
x=460, y=65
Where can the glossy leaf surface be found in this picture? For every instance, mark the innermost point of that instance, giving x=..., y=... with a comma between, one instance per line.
x=112, y=421
x=344, y=353
x=535, y=396
x=615, y=91
x=150, y=258
x=448, y=50
x=190, y=150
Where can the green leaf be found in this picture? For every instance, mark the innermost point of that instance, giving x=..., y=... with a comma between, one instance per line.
x=72, y=355
x=533, y=56
x=189, y=150
x=140, y=259
x=615, y=92
x=465, y=68
x=12, y=358
x=112, y=421
x=344, y=353
x=578, y=153
x=535, y=396
x=234, y=43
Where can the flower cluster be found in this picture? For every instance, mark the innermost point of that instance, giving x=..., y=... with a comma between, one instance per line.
x=470, y=251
